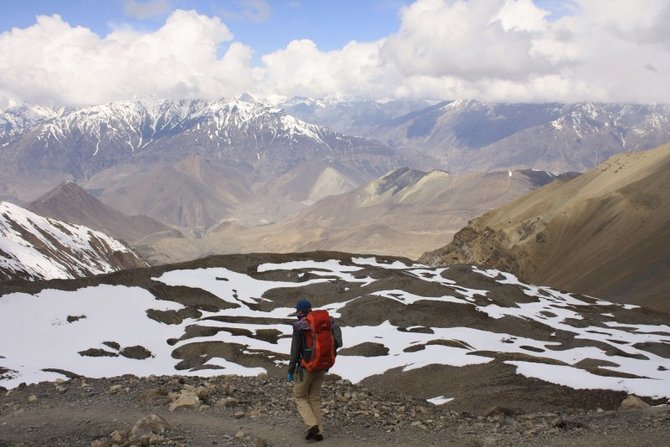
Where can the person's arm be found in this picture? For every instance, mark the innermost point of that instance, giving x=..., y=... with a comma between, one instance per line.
x=295, y=351
x=337, y=335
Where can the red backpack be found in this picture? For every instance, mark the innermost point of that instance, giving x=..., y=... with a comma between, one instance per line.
x=319, y=343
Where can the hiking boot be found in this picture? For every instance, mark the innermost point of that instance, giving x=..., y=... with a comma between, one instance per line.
x=313, y=432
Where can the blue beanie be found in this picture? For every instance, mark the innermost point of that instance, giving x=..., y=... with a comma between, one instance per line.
x=303, y=305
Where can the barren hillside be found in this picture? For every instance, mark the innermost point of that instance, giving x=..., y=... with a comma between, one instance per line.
x=604, y=233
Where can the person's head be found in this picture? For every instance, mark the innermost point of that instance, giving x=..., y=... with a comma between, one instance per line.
x=302, y=308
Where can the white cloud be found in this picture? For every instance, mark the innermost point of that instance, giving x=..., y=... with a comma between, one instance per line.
x=470, y=40
x=508, y=50
x=500, y=50
x=614, y=42
x=302, y=69
x=54, y=62
x=522, y=15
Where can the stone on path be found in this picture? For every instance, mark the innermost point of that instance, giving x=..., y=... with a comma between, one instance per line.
x=185, y=400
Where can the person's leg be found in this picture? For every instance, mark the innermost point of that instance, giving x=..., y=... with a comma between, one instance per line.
x=303, y=382
x=314, y=395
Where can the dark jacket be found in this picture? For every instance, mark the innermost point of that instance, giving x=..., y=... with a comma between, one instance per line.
x=297, y=343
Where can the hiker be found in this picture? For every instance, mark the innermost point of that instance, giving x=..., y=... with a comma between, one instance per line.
x=316, y=339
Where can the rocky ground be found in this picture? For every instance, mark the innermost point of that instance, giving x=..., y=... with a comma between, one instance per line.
x=236, y=411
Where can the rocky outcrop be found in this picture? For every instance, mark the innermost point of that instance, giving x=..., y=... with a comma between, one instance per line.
x=472, y=245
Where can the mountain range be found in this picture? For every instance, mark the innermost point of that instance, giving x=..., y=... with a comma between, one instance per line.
x=604, y=232
x=34, y=247
x=185, y=163
x=195, y=164
x=405, y=212
x=469, y=135
x=352, y=117
x=242, y=176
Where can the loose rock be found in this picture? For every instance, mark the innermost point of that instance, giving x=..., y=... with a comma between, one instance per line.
x=633, y=402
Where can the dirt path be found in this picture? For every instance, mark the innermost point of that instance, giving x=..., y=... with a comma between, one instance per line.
x=74, y=427
x=78, y=412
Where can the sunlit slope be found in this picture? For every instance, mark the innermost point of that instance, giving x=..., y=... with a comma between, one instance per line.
x=605, y=232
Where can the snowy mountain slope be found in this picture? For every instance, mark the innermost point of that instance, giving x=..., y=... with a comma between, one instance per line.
x=34, y=247
x=230, y=315
x=351, y=117
x=16, y=121
x=251, y=151
x=469, y=135
x=462, y=135
x=88, y=140
x=582, y=137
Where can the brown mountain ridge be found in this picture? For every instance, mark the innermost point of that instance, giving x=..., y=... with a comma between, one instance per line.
x=71, y=203
x=604, y=233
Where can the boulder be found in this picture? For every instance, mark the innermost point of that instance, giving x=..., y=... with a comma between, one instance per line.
x=119, y=436
x=187, y=399
x=154, y=395
x=203, y=393
x=366, y=349
x=153, y=423
x=633, y=402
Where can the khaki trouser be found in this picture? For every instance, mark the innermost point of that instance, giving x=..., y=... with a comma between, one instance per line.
x=307, y=396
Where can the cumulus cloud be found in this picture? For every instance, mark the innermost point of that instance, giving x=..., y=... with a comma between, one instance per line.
x=498, y=50
x=54, y=62
x=301, y=69
x=469, y=40
x=611, y=43
x=508, y=50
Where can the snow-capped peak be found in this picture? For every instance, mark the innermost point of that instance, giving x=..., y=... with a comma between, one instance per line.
x=17, y=120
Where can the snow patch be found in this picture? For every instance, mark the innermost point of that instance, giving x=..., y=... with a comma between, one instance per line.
x=118, y=313
x=439, y=400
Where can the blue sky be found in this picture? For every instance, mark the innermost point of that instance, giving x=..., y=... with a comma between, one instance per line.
x=265, y=26
x=90, y=51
